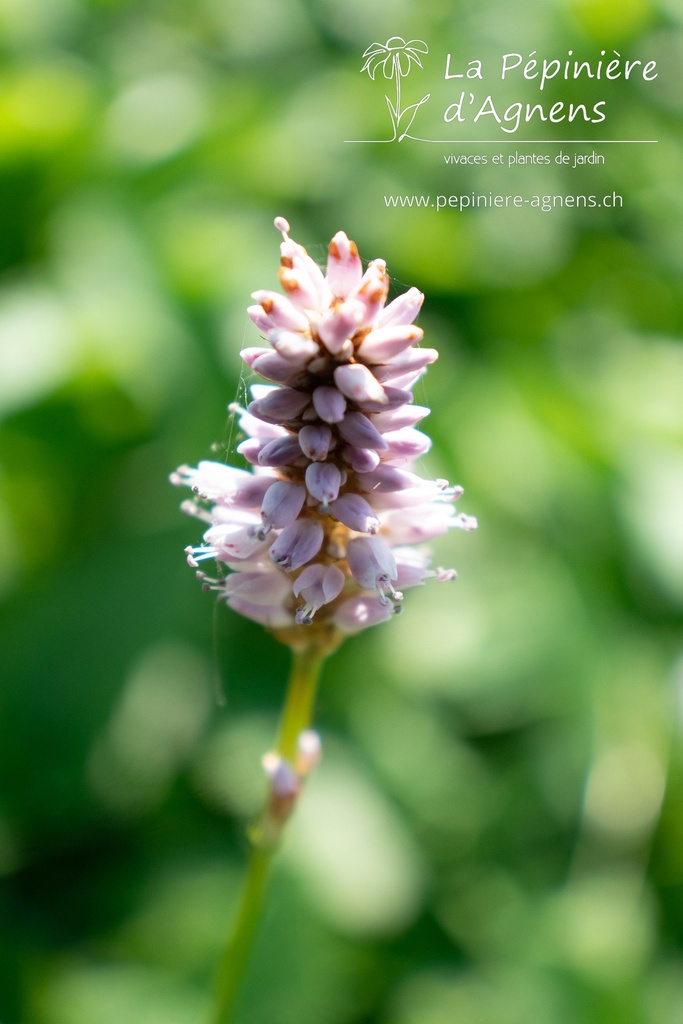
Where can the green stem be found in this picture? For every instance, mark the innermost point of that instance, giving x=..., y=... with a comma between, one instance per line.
x=236, y=956
x=298, y=710
x=296, y=716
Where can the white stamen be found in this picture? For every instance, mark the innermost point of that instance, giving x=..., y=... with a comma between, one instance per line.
x=199, y=554
x=384, y=584
x=282, y=226
x=191, y=509
x=466, y=522
x=304, y=616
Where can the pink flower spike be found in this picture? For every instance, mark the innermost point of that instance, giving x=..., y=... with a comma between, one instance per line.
x=402, y=310
x=323, y=480
x=354, y=511
x=315, y=442
x=358, y=430
x=329, y=404
x=359, y=384
x=331, y=496
x=344, y=268
x=297, y=544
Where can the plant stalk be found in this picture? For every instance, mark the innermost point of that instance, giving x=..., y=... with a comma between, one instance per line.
x=296, y=717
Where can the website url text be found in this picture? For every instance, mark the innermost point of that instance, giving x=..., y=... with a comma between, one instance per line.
x=490, y=200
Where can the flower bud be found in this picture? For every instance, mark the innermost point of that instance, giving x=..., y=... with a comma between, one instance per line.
x=323, y=480
x=386, y=342
x=402, y=310
x=281, y=504
x=355, y=512
x=315, y=441
x=281, y=312
x=358, y=430
x=359, y=384
x=280, y=451
x=280, y=406
x=297, y=544
x=329, y=404
x=344, y=268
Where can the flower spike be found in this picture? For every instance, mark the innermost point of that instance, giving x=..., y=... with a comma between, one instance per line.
x=319, y=537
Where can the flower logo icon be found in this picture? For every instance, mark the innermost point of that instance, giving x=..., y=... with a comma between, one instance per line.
x=395, y=58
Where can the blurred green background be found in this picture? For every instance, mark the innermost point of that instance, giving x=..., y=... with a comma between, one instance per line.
x=496, y=833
